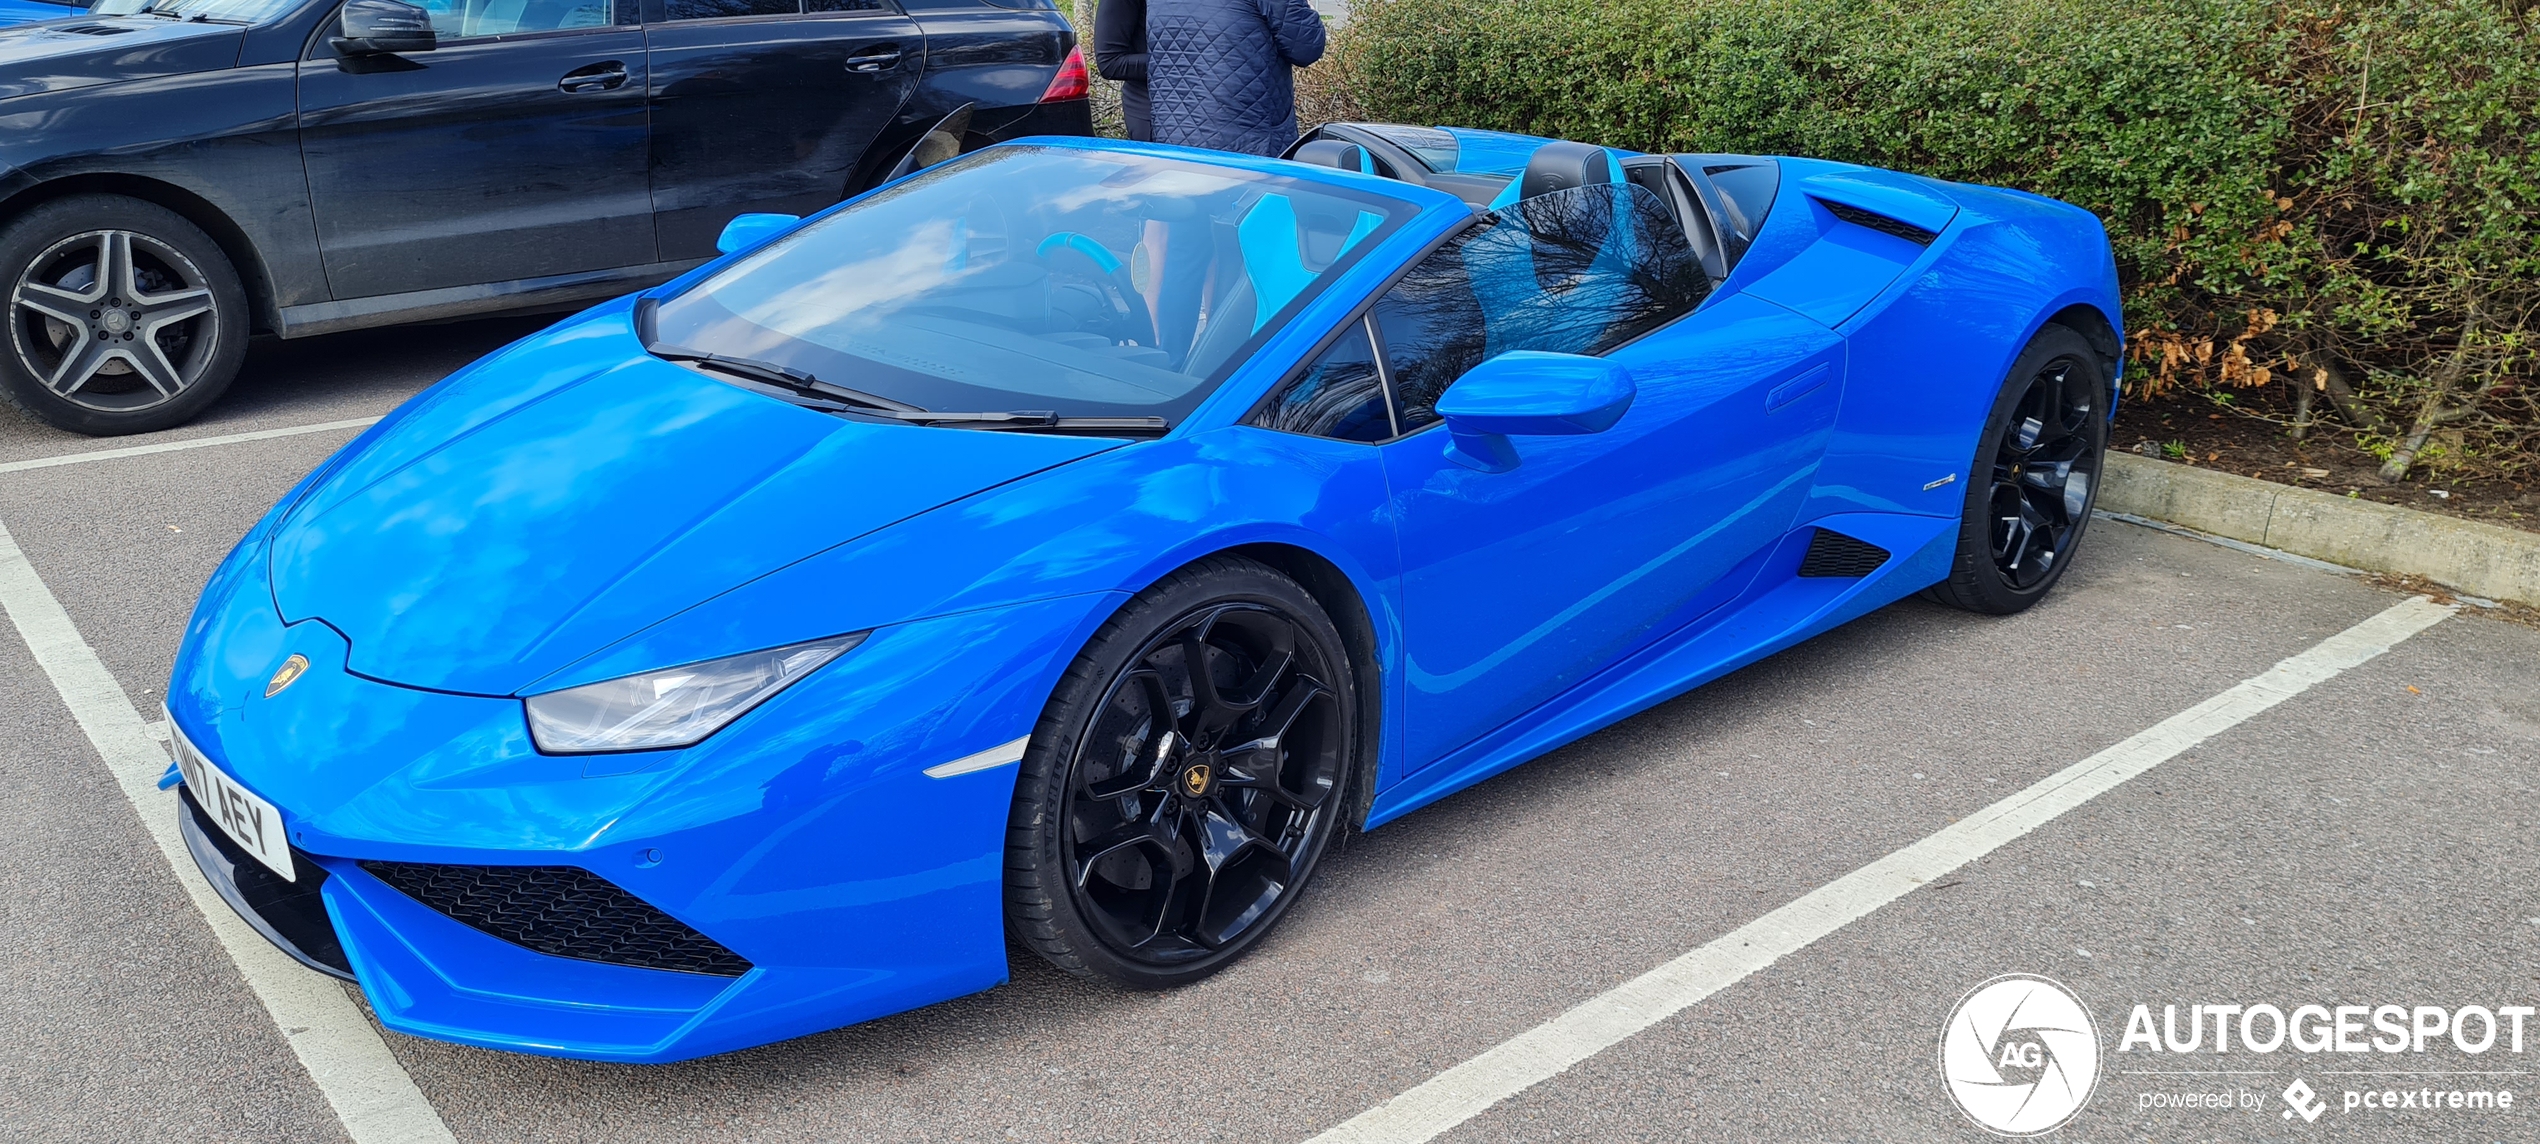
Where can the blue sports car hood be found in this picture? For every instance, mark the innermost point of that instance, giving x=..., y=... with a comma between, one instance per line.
x=60, y=54
x=573, y=490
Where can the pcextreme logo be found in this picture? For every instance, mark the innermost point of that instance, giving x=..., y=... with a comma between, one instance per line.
x=2300, y=1100
x=2020, y=1055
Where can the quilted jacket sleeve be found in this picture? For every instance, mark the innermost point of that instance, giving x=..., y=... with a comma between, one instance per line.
x=1297, y=28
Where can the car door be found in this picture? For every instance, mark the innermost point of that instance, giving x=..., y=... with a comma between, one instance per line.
x=766, y=105
x=514, y=149
x=1519, y=585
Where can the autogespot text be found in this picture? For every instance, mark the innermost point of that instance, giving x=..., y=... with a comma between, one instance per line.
x=2472, y=1029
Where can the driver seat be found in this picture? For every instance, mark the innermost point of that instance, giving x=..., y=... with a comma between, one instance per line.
x=1561, y=165
x=1336, y=154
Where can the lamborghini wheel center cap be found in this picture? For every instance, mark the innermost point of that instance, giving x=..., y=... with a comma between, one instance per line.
x=1196, y=779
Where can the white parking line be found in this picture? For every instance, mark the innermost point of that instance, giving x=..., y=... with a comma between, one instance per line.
x=175, y=446
x=370, y=1091
x=1538, y=1054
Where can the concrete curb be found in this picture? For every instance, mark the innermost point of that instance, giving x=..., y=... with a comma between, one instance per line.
x=2480, y=559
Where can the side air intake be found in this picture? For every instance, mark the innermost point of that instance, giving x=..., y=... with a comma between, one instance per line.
x=565, y=911
x=1834, y=554
x=1879, y=222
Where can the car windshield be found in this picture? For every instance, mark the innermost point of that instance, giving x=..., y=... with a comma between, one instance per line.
x=1078, y=283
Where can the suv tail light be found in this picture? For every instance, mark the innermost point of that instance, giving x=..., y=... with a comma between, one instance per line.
x=1071, y=82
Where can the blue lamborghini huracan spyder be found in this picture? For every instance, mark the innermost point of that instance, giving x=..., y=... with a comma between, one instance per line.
x=1068, y=540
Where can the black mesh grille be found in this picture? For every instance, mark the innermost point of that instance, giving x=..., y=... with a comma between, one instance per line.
x=1880, y=223
x=562, y=910
x=1834, y=554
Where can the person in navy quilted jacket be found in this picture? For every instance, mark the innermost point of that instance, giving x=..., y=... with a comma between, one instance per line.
x=1218, y=71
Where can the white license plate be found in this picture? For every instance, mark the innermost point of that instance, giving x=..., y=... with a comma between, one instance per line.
x=249, y=821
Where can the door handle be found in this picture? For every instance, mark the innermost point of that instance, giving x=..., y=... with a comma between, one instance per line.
x=874, y=60
x=1798, y=387
x=607, y=76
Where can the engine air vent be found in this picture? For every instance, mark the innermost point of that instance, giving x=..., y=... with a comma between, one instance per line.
x=1832, y=554
x=565, y=911
x=1879, y=222
x=93, y=30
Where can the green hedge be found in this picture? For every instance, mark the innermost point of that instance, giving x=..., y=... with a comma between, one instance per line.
x=2309, y=199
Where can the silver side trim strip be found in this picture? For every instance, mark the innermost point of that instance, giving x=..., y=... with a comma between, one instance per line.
x=993, y=757
x=466, y=301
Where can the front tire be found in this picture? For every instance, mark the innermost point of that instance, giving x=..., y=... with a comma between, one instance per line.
x=1184, y=780
x=2035, y=478
x=122, y=316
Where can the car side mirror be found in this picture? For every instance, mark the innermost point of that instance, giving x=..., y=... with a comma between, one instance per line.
x=1528, y=393
x=746, y=231
x=384, y=28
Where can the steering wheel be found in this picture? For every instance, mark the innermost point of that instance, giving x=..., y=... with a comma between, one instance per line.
x=1129, y=318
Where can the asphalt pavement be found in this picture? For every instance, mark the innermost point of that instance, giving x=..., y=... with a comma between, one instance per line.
x=2367, y=842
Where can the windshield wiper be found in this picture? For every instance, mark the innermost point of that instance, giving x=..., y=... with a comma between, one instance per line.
x=172, y=12
x=858, y=403
x=1027, y=419
x=786, y=378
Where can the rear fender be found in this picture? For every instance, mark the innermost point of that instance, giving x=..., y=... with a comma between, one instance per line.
x=1928, y=357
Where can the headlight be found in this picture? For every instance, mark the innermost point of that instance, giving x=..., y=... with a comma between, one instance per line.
x=673, y=707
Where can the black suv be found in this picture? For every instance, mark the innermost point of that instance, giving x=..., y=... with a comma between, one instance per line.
x=179, y=177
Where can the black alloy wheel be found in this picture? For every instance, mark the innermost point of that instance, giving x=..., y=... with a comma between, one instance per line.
x=2037, y=475
x=1167, y=818
x=2043, y=471
x=122, y=316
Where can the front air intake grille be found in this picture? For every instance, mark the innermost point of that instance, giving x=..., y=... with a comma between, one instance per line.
x=1879, y=222
x=562, y=910
x=1834, y=554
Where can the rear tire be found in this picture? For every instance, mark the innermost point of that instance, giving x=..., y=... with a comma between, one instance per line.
x=2034, y=480
x=1155, y=851
x=122, y=316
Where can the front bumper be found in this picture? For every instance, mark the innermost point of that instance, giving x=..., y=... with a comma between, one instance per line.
x=805, y=841
x=579, y=1010
x=291, y=915
x=430, y=975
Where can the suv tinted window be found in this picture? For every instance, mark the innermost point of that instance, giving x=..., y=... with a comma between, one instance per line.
x=463, y=19
x=1338, y=395
x=1577, y=271
x=721, y=9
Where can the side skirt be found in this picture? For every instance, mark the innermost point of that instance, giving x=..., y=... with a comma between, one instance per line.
x=1779, y=609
